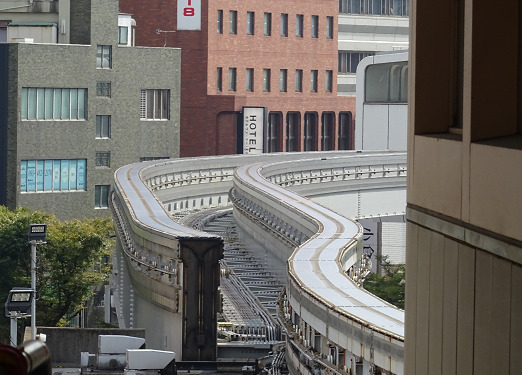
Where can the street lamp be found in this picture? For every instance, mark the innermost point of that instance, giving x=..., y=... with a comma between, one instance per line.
x=36, y=235
x=18, y=305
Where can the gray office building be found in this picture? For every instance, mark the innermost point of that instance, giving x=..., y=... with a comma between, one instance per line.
x=77, y=101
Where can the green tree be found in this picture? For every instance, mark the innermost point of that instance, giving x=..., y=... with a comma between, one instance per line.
x=68, y=265
x=390, y=284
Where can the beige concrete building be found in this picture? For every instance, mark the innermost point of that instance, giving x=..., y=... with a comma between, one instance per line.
x=463, y=298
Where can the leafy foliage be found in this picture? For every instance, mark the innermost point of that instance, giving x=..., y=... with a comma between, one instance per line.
x=68, y=265
x=390, y=285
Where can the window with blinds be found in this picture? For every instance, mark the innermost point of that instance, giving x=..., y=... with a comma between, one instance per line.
x=155, y=104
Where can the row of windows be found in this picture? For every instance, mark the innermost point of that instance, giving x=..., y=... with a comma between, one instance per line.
x=267, y=78
x=59, y=176
x=44, y=103
x=52, y=175
x=283, y=24
x=348, y=61
x=308, y=134
x=53, y=104
x=375, y=7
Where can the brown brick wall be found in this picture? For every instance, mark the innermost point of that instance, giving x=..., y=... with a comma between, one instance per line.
x=203, y=130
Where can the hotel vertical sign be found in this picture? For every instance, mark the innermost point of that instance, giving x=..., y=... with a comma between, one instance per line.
x=254, y=120
x=189, y=15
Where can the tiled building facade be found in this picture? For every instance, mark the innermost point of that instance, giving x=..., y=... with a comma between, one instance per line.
x=281, y=56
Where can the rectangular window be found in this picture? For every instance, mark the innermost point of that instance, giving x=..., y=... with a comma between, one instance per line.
x=348, y=61
x=328, y=79
x=249, y=79
x=155, y=104
x=104, y=57
x=298, y=80
x=148, y=158
x=220, y=21
x=384, y=7
x=101, y=196
x=284, y=24
x=266, y=80
x=282, y=80
x=123, y=35
x=313, y=81
x=299, y=25
x=232, y=25
x=103, y=159
x=103, y=126
x=231, y=79
x=329, y=27
x=52, y=175
x=53, y=104
x=250, y=23
x=267, y=27
x=103, y=89
x=315, y=26
x=219, y=79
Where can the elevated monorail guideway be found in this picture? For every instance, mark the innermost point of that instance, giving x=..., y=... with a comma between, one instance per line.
x=171, y=278
x=319, y=269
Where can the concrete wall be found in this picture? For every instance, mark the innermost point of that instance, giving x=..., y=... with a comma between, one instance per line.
x=66, y=344
x=464, y=244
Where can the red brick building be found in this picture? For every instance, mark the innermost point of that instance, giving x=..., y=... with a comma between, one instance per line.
x=277, y=55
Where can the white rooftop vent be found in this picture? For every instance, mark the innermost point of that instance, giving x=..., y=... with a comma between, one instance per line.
x=148, y=359
x=113, y=344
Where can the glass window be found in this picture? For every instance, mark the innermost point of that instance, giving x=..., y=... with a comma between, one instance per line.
x=104, y=57
x=345, y=124
x=52, y=175
x=266, y=80
x=53, y=104
x=377, y=7
x=310, y=131
x=299, y=25
x=123, y=35
x=103, y=159
x=284, y=24
x=313, y=81
x=327, y=129
x=148, y=158
x=103, y=89
x=315, y=26
x=101, y=196
x=250, y=23
x=348, y=61
x=298, y=80
x=329, y=27
x=328, y=79
x=103, y=126
x=231, y=79
x=386, y=83
x=220, y=21
x=275, y=120
x=267, y=27
x=292, y=131
x=232, y=26
x=155, y=104
x=282, y=80
x=219, y=79
x=249, y=79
